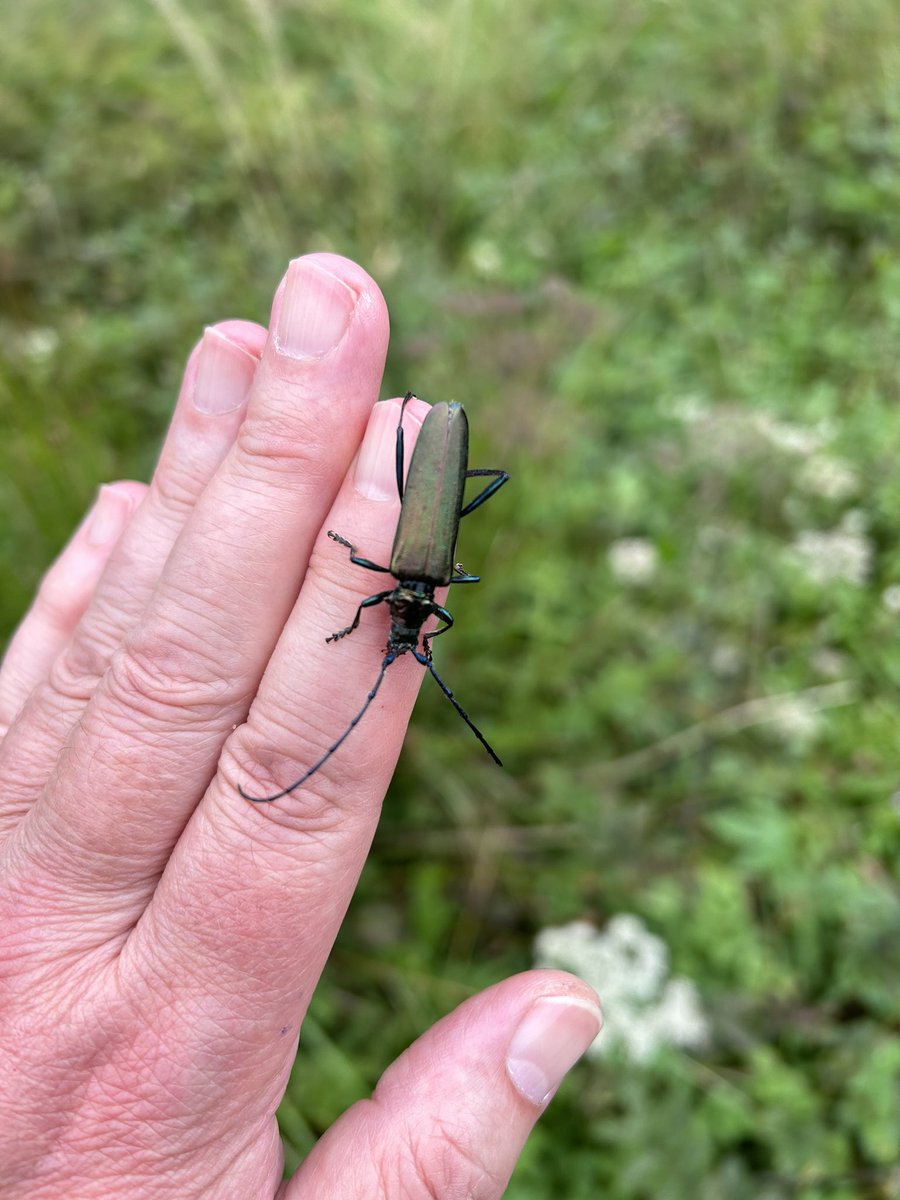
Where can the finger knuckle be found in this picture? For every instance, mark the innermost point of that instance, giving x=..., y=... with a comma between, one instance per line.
x=175, y=489
x=165, y=683
x=75, y=671
x=439, y=1163
x=269, y=442
x=249, y=765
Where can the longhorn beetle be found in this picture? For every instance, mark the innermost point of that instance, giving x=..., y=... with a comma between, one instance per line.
x=422, y=557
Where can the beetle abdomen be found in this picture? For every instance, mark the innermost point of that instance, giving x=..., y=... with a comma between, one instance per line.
x=425, y=541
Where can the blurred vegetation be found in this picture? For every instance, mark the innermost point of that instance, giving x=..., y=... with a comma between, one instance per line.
x=654, y=247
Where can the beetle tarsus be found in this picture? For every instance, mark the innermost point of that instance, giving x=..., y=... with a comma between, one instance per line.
x=355, y=558
x=378, y=598
x=463, y=576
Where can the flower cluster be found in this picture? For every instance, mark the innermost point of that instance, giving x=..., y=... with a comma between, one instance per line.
x=828, y=476
x=633, y=560
x=841, y=553
x=629, y=968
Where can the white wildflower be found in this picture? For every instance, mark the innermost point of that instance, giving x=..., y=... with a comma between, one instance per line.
x=842, y=553
x=793, y=439
x=627, y=947
x=890, y=598
x=485, y=257
x=679, y=1015
x=38, y=343
x=629, y=967
x=633, y=560
x=828, y=476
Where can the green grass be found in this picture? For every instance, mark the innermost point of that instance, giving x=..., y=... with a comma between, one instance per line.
x=646, y=237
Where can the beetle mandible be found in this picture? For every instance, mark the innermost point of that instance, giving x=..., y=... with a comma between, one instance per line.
x=422, y=556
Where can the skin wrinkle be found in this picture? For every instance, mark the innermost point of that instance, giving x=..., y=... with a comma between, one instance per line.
x=439, y=1161
x=196, y=1009
x=72, y=679
x=457, y=1148
x=287, y=838
x=154, y=1166
x=296, y=440
x=18, y=781
x=315, y=820
x=267, y=1060
x=339, y=583
x=174, y=489
x=57, y=940
x=284, y=478
x=151, y=708
x=315, y=810
x=175, y=639
x=154, y=761
x=319, y=853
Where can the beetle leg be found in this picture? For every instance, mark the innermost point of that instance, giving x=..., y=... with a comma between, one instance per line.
x=463, y=576
x=354, y=557
x=378, y=598
x=500, y=477
x=443, y=615
x=398, y=452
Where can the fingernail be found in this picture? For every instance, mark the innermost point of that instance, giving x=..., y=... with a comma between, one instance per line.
x=550, y=1039
x=224, y=373
x=315, y=311
x=375, y=475
x=109, y=517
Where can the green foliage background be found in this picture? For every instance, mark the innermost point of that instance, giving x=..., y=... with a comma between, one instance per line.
x=628, y=235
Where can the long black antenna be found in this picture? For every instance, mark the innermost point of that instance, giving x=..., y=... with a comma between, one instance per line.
x=426, y=662
x=389, y=658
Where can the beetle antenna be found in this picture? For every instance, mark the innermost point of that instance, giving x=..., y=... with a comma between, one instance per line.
x=425, y=660
x=389, y=658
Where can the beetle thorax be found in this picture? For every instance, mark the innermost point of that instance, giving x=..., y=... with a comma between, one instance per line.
x=411, y=603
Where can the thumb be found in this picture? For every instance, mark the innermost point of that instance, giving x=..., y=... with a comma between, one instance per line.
x=449, y=1118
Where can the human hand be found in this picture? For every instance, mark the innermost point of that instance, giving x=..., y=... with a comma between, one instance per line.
x=160, y=937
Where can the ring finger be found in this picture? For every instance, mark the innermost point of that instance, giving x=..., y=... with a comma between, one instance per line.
x=207, y=417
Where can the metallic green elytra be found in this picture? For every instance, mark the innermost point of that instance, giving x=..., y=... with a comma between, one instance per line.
x=425, y=542
x=432, y=507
